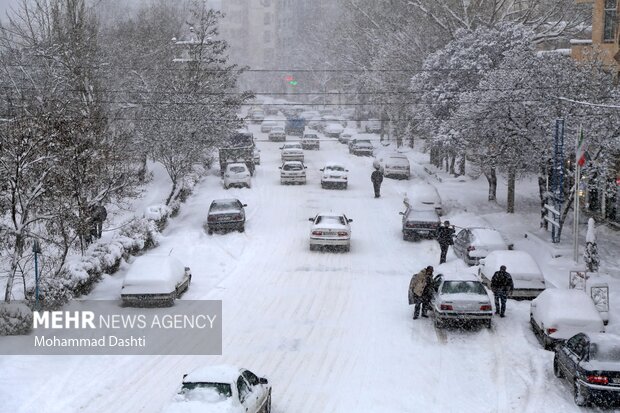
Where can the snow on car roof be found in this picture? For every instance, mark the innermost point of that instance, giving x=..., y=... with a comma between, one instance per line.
x=223, y=373
x=567, y=307
x=459, y=276
x=329, y=214
x=293, y=163
x=225, y=201
x=330, y=164
x=160, y=272
x=422, y=215
x=230, y=165
x=516, y=262
x=487, y=236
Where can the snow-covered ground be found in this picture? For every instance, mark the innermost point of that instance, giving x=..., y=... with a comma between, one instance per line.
x=332, y=331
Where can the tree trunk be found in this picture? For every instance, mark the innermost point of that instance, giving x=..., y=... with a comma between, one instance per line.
x=462, y=165
x=491, y=176
x=542, y=193
x=18, y=249
x=510, y=201
x=172, y=191
x=447, y=159
x=452, y=163
x=142, y=170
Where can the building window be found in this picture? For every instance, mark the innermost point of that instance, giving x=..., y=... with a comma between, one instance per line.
x=267, y=19
x=609, y=20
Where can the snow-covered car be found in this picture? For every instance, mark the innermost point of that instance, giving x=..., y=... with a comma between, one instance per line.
x=361, y=147
x=312, y=118
x=277, y=134
x=333, y=130
x=222, y=389
x=154, y=280
x=292, y=151
x=334, y=175
x=418, y=224
x=237, y=174
x=373, y=126
x=461, y=297
x=558, y=314
x=226, y=214
x=310, y=141
x=267, y=124
x=527, y=278
x=330, y=230
x=256, y=115
x=256, y=154
x=473, y=244
x=590, y=362
x=426, y=197
x=396, y=165
x=346, y=136
x=293, y=172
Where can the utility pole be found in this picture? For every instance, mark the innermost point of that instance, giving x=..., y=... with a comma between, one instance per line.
x=36, y=249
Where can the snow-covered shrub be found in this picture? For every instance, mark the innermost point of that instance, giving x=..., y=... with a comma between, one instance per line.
x=140, y=234
x=15, y=319
x=159, y=214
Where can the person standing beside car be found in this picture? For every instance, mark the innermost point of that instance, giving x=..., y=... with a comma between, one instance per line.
x=502, y=286
x=377, y=178
x=445, y=238
x=417, y=288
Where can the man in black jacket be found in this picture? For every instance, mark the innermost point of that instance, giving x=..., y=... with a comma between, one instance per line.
x=377, y=177
x=445, y=237
x=502, y=286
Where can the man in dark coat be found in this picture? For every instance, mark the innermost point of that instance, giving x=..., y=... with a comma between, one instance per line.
x=98, y=214
x=377, y=177
x=445, y=238
x=417, y=288
x=502, y=286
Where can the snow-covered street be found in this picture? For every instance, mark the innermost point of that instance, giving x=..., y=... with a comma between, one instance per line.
x=332, y=331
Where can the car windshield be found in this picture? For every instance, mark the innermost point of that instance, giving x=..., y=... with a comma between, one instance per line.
x=277, y=129
x=328, y=219
x=605, y=351
x=222, y=206
x=310, y=137
x=292, y=146
x=363, y=143
x=334, y=168
x=292, y=167
x=223, y=389
x=237, y=169
x=465, y=287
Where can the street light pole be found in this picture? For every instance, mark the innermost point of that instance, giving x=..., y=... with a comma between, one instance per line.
x=36, y=248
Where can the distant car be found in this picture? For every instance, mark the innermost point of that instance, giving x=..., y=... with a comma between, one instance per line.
x=293, y=172
x=461, y=297
x=526, y=275
x=154, y=280
x=473, y=244
x=256, y=115
x=590, y=362
x=226, y=214
x=256, y=156
x=396, y=165
x=426, y=197
x=419, y=224
x=361, y=147
x=346, y=136
x=225, y=389
x=277, y=134
x=333, y=130
x=310, y=141
x=292, y=151
x=237, y=174
x=334, y=175
x=267, y=124
x=330, y=230
x=373, y=126
x=558, y=314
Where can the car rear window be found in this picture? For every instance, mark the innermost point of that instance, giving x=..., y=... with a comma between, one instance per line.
x=223, y=389
x=465, y=287
x=237, y=169
x=605, y=351
x=335, y=168
x=292, y=167
x=330, y=220
x=310, y=137
x=221, y=206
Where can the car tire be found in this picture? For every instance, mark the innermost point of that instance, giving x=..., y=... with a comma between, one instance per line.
x=225, y=186
x=347, y=248
x=580, y=395
x=242, y=228
x=557, y=372
x=489, y=323
x=405, y=237
x=210, y=231
x=322, y=185
x=312, y=247
x=438, y=323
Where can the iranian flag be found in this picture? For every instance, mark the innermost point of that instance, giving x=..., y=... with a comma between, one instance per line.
x=580, y=156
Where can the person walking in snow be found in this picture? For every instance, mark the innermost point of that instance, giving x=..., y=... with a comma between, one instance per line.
x=377, y=178
x=98, y=214
x=445, y=238
x=417, y=287
x=502, y=286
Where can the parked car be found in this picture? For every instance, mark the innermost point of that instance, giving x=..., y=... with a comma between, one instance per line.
x=373, y=126
x=334, y=175
x=226, y=214
x=155, y=280
x=590, y=362
x=225, y=389
x=526, y=275
x=267, y=124
x=396, y=165
x=418, y=224
x=333, y=130
x=293, y=172
x=256, y=115
x=237, y=174
x=461, y=297
x=358, y=137
x=558, y=314
x=292, y=151
x=330, y=230
x=256, y=152
x=473, y=244
x=310, y=141
x=277, y=134
x=361, y=147
x=426, y=197
x=346, y=136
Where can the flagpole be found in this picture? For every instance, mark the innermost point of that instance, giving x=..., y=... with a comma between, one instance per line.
x=576, y=206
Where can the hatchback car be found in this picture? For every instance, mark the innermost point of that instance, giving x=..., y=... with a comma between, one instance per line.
x=226, y=214
x=461, y=297
x=419, y=224
x=396, y=165
x=473, y=244
x=527, y=278
x=237, y=174
x=293, y=172
x=310, y=141
x=292, y=151
x=277, y=134
x=558, y=314
x=334, y=175
x=330, y=230
x=154, y=280
x=590, y=362
x=222, y=388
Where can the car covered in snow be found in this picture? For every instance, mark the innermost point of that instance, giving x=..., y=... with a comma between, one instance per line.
x=237, y=174
x=226, y=214
x=346, y=136
x=335, y=175
x=558, y=314
x=267, y=125
x=333, y=130
x=331, y=230
x=310, y=141
x=256, y=115
x=418, y=224
x=222, y=389
x=527, y=278
x=154, y=280
x=590, y=362
x=373, y=126
x=395, y=165
x=473, y=244
x=426, y=197
x=460, y=297
x=277, y=134
x=293, y=172
x=292, y=151
x=361, y=147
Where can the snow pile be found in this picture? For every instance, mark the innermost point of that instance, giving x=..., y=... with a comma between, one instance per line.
x=15, y=318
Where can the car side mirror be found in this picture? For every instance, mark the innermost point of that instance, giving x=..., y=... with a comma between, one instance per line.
x=305, y=167
x=511, y=247
x=279, y=167
x=263, y=380
x=322, y=169
x=346, y=170
x=401, y=213
x=349, y=220
x=245, y=205
x=185, y=375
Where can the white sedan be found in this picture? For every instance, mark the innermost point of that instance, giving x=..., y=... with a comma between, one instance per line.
x=527, y=278
x=222, y=389
x=237, y=174
x=425, y=197
x=461, y=297
x=154, y=280
x=333, y=130
x=292, y=151
x=293, y=172
x=330, y=230
x=396, y=165
x=334, y=175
